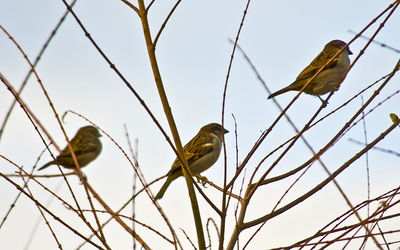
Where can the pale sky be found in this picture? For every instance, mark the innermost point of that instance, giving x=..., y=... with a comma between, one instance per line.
x=280, y=37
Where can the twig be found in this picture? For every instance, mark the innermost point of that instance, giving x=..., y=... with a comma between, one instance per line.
x=323, y=183
x=226, y=187
x=341, y=191
x=164, y=23
x=136, y=168
x=28, y=111
x=171, y=122
x=383, y=45
x=133, y=7
x=35, y=62
x=389, y=151
x=188, y=238
x=134, y=155
x=49, y=212
x=78, y=211
x=43, y=215
x=57, y=117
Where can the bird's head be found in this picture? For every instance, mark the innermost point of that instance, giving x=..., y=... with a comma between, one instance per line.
x=214, y=128
x=89, y=130
x=337, y=45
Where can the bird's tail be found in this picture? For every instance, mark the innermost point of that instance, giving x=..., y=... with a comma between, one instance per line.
x=161, y=193
x=281, y=91
x=46, y=165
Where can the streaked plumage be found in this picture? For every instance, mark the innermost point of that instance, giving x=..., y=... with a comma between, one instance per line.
x=86, y=146
x=201, y=153
x=329, y=78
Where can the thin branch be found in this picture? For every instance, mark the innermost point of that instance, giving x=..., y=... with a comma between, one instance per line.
x=78, y=171
x=133, y=7
x=266, y=132
x=340, y=133
x=39, y=221
x=78, y=211
x=49, y=212
x=226, y=188
x=164, y=23
x=323, y=183
x=136, y=221
x=212, y=184
x=120, y=75
x=28, y=111
x=188, y=238
x=171, y=122
x=42, y=214
x=20, y=175
x=345, y=216
x=35, y=63
x=208, y=230
x=150, y=4
x=308, y=145
x=136, y=169
x=125, y=205
x=240, y=226
x=389, y=151
x=134, y=155
x=383, y=45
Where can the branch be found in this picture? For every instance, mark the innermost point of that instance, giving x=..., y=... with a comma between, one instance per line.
x=164, y=23
x=171, y=122
x=323, y=183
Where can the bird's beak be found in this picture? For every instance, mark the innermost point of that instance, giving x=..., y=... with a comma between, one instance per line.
x=226, y=131
x=349, y=51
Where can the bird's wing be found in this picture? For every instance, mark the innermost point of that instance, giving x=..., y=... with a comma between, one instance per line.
x=316, y=64
x=80, y=145
x=87, y=147
x=195, y=149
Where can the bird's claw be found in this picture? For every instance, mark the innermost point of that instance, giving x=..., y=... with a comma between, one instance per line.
x=201, y=179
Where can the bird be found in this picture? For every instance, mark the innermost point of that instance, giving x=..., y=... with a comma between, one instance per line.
x=329, y=79
x=201, y=153
x=86, y=146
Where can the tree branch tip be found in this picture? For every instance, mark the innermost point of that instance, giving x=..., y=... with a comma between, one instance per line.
x=394, y=118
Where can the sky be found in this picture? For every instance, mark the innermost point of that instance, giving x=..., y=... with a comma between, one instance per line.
x=193, y=52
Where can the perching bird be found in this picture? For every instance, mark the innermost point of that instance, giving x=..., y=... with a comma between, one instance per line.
x=201, y=153
x=86, y=146
x=329, y=78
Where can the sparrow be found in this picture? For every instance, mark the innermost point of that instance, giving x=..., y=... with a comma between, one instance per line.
x=329, y=79
x=201, y=153
x=86, y=146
